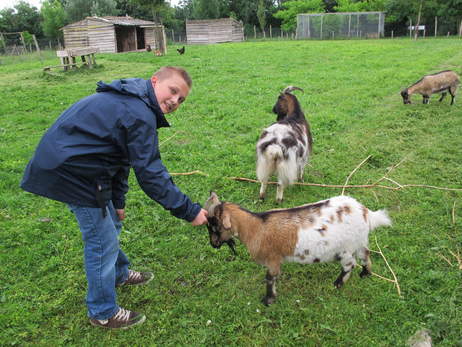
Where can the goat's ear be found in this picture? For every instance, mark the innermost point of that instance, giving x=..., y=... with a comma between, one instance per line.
x=226, y=221
x=211, y=203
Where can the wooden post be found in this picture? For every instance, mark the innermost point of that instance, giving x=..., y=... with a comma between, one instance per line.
x=436, y=25
x=460, y=29
x=36, y=43
x=270, y=32
x=392, y=34
x=173, y=36
x=416, y=31
x=23, y=41
x=410, y=28
x=254, y=32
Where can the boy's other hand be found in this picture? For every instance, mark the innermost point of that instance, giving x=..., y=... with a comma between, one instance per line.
x=201, y=218
x=121, y=213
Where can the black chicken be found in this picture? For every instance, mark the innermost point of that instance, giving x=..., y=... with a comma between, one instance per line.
x=181, y=50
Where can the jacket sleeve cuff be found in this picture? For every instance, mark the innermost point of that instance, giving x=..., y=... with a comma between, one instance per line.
x=193, y=212
x=118, y=204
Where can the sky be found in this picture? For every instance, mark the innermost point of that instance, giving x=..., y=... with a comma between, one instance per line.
x=36, y=3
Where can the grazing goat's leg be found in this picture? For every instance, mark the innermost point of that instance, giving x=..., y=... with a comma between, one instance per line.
x=263, y=186
x=271, y=276
x=363, y=255
x=348, y=263
x=452, y=91
x=279, y=193
x=300, y=170
x=443, y=95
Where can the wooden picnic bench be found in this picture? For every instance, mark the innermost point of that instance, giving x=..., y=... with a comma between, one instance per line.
x=69, y=57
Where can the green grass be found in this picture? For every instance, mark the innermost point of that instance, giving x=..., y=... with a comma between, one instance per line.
x=352, y=102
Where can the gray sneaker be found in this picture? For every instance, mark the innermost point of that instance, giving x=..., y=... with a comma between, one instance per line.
x=123, y=319
x=136, y=278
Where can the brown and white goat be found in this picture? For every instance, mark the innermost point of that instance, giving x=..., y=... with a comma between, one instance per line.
x=440, y=82
x=284, y=147
x=334, y=229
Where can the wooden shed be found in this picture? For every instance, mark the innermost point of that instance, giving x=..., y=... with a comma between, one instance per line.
x=214, y=31
x=115, y=34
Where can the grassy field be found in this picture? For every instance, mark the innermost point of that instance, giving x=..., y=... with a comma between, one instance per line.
x=203, y=296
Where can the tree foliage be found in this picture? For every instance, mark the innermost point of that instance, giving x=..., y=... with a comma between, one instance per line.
x=288, y=14
x=53, y=18
x=79, y=9
x=23, y=17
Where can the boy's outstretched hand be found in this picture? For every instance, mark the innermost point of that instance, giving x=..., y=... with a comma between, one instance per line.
x=121, y=213
x=201, y=218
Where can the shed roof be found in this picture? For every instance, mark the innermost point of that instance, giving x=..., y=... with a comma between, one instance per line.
x=126, y=20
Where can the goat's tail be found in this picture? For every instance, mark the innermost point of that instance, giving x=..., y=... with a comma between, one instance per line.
x=378, y=218
x=267, y=161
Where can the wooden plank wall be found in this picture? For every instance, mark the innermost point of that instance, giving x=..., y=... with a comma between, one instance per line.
x=102, y=35
x=149, y=38
x=214, y=31
x=75, y=35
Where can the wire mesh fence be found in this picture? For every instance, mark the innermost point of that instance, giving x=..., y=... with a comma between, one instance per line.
x=340, y=25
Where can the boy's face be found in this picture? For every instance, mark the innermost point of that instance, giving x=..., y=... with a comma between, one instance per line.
x=170, y=91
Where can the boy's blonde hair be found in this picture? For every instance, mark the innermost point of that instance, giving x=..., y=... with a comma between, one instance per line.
x=167, y=71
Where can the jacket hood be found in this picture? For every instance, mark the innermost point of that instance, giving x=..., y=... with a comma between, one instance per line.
x=139, y=88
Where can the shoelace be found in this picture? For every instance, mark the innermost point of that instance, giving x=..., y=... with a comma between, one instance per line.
x=122, y=315
x=134, y=275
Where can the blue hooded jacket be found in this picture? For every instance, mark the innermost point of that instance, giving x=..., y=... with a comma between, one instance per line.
x=85, y=157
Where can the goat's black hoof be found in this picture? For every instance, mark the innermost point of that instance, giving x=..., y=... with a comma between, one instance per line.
x=268, y=300
x=338, y=283
x=365, y=273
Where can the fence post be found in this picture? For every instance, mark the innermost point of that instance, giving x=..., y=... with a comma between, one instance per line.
x=271, y=33
x=36, y=43
x=460, y=29
x=436, y=25
x=254, y=32
x=410, y=28
x=392, y=34
x=320, y=34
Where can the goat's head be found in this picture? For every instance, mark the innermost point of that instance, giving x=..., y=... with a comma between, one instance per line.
x=286, y=103
x=405, y=95
x=219, y=223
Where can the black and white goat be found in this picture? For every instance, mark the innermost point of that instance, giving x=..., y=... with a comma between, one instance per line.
x=336, y=229
x=284, y=147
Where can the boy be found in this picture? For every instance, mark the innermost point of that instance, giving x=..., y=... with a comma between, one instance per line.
x=84, y=160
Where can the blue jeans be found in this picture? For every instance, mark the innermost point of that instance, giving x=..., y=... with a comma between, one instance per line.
x=105, y=263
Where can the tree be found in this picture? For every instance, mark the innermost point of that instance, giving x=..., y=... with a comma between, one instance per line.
x=79, y=9
x=261, y=14
x=292, y=8
x=23, y=17
x=53, y=18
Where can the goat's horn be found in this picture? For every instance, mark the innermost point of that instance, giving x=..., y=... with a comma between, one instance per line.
x=289, y=89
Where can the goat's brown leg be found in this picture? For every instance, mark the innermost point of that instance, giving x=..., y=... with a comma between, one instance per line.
x=271, y=276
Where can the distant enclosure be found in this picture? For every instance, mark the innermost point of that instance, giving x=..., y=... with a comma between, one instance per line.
x=340, y=25
x=115, y=34
x=214, y=31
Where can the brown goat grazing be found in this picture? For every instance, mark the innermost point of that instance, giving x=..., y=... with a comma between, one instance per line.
x=440, y=82
x=334, y=229
x=284, y=147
